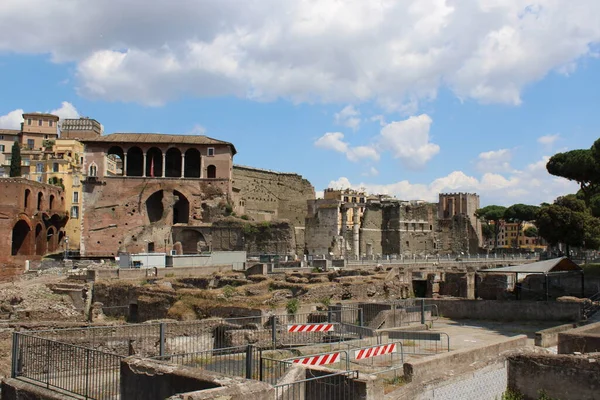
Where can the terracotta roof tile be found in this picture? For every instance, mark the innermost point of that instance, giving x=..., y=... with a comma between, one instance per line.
x=156, y=138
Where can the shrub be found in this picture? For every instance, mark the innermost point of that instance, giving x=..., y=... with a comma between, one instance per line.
x=292, y=306
x=229, y=291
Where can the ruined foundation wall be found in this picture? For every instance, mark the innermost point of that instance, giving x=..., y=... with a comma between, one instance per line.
x=116, y=213
x=322, y=230
x=276, y=237
x=268, y=195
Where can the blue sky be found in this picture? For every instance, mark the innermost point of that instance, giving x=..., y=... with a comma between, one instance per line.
x=405, y=97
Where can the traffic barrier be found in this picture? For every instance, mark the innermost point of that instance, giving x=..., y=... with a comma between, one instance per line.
x=323, y=359
x=375, y=351
x=310, y=328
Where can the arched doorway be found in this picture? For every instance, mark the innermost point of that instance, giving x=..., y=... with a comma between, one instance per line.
x=154, y=162
x=181, y=209
x=135, y=162
x=192, y=163
x=40, y=200
x=116, y=154
x=40, y=241
x=51, y=244
x=154, y=206
x=192, y=241
x=173, y=163
x=211, y=172
x=20, y=236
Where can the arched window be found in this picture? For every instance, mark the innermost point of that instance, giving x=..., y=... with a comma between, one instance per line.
x=26, y=202
x=40, y=201
x=192, y=163
x=173, y=163
x=211, y=172
x=181, y=209
x=93, y=170
x=51, y=204
x=154, y=162
x=116, y=155
x=135, y=162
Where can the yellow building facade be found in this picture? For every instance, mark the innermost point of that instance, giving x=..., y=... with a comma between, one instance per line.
x=62, y=166
x=508, y=234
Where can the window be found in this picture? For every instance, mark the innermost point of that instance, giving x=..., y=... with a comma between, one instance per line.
x=93, y=170
x=1, y=137
x=75, y=197
x=55, y=167
x=211, y=151
x=40, y=122
x=76, y=181
x=39, y=167
x=28, y=121
x=30, y=144
x=50, y=123
x=1, y=147
x=75, y=212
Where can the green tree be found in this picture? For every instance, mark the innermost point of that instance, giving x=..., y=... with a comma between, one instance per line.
x=15, y=160
x=519, y=213
x=581, y=166
x=491, y=214
x=531, y=232
x=569, y=221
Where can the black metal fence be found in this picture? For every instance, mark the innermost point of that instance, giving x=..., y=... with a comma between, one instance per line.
x=78, y=370
x=396, y=313
x=242, y=361
x=321, y=386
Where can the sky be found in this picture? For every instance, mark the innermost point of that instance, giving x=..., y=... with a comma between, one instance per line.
x=403, y=97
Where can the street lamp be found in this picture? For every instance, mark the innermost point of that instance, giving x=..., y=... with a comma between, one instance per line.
x=66, y=247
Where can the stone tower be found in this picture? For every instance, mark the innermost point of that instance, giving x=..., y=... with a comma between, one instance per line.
x=461, y=204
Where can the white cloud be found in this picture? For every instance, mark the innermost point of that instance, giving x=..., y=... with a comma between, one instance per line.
x=335, y=141
x=494, y=161
x=66, y=111
x=12, y=120
x=548, y=140
x=531, y=185
x=396, y=53
x=371, y=172
x=380, y=119
x=408, y=140
x=348, y=116
x=197, y=130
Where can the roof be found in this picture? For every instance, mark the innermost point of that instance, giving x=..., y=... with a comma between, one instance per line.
x=156, y=138
x=560, y=264
x=9, y=131
x=38, y=114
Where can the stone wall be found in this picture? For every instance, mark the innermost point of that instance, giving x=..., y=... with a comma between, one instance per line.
x=267, y=195
x=583, y=340
x=32, y=221
x=323, y=229
x=127, y=213
x=276, y=237
x=558, y=376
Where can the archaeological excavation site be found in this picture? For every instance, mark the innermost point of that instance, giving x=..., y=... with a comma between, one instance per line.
x=364, y=330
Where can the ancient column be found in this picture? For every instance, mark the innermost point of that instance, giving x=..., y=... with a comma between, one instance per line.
x=182, y=165
x=164, y=165
x=124, y=164
x=355, y=232
x=144, y=167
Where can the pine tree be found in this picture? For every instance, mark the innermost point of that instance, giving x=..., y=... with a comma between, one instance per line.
x=15, y=161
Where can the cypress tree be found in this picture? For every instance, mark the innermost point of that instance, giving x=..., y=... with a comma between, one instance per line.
x=15, y=161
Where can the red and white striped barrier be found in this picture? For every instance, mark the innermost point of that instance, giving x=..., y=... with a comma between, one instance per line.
x=375, y=351
x=322, y=359
x=310, y=328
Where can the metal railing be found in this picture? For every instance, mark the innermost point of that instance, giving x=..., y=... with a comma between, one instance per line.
x=397, y=313
x=242, y=361
x=316, y=385
x=425, y=343
x=78, y=370
x=446, y=258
